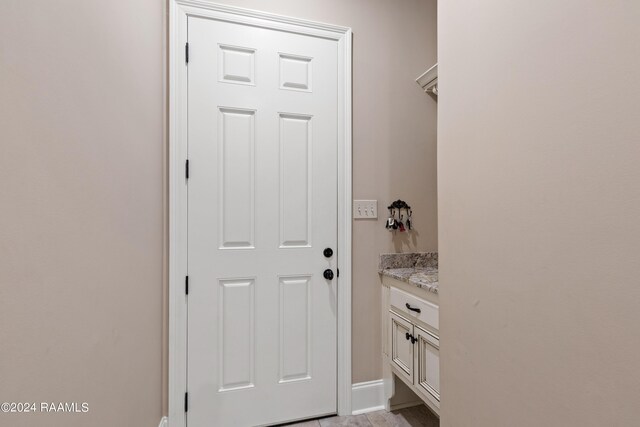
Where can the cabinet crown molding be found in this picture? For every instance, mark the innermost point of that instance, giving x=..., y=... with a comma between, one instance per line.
x=428, y=80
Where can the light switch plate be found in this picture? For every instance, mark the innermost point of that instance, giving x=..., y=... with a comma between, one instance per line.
x=365, y=209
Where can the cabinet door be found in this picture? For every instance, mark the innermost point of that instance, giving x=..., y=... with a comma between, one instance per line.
x=402, y=346
x=427, y=375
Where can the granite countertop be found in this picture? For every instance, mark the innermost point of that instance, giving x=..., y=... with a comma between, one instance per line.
x=419, y=269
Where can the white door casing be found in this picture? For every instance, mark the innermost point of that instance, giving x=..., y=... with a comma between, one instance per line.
x=269, y=168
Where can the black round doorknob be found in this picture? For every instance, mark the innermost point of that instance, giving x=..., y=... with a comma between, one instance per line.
x=328, y=274
x=328, y=252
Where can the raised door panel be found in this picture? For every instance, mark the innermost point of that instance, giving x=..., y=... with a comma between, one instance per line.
x=236, y=65
x=236, y=334
x=295, y=328
x=401, y=346
x=295, y=180
x=427, y=366
x=236, y=180
x=295, y=72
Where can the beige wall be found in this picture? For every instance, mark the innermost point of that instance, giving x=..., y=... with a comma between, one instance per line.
x=81, y=202
x=81, y=162
x=539, y=207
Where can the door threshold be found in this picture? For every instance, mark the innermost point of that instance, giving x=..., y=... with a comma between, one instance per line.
x=304, y=420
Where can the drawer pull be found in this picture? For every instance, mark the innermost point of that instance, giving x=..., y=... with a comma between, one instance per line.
x=417, y=310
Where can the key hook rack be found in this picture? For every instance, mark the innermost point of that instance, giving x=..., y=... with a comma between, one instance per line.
x=403, y=222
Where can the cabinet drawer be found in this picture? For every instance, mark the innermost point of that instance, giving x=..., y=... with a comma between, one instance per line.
x=415, y=306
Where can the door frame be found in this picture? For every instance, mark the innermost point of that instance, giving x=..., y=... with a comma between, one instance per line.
x=179, y=11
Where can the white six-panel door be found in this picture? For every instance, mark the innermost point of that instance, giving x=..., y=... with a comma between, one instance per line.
x=262, y=207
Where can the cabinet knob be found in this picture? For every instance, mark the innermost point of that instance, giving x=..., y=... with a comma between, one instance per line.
x=408, y=336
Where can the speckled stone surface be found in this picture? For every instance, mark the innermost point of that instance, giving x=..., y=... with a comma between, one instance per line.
x=419, y=269
x=410, y=260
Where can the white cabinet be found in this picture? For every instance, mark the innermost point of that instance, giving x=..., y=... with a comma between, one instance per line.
x=427, y=364
x=412, y=306
x=411, y=350
x=415, y=355
x=402, y=345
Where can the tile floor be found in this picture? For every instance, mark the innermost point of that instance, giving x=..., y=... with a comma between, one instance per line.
x=416, y=416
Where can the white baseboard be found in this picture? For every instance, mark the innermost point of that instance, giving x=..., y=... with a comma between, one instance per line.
x=367, y=397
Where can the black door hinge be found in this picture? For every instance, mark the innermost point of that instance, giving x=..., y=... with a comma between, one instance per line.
x=186, y=168
x=186, y=285
x=186, y=402
x=186, y=52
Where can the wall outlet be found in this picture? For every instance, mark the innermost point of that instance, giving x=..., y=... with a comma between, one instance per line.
x=365, y=209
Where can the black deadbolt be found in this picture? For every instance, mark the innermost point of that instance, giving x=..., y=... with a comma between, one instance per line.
x=328, y=252
x=328, y=274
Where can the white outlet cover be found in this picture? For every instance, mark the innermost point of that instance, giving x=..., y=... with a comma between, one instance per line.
x=365, y=209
